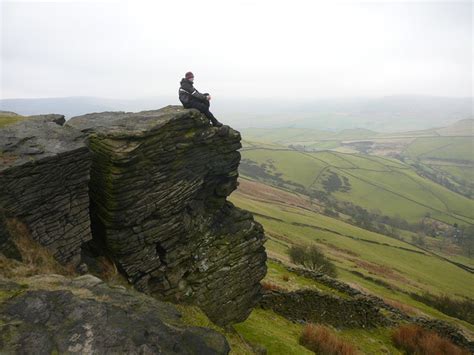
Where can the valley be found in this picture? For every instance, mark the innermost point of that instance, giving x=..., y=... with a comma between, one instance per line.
x=391, y=232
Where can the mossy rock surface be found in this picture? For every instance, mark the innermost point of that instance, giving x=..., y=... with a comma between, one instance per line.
x=159, y=186
x=53, y=314
x=44, y=176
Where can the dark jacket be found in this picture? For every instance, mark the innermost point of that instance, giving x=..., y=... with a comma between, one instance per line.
x=187, y=93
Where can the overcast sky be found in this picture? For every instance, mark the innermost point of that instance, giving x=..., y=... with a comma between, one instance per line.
x=281, y=49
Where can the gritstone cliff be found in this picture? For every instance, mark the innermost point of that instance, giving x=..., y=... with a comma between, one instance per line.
x=157, y=190
x=44, y=175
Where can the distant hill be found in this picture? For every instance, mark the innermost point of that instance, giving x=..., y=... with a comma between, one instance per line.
x=386, y=114
x=459, y=128
x=308, y=136
x=75, y=106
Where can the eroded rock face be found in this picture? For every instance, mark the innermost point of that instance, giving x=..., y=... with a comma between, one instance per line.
x=44, y=175
x=52, y=314
x=159, y=182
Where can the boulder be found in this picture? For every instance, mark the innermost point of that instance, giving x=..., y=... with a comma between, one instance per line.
x=44, y=175
x=159, y=182
x=51, y=314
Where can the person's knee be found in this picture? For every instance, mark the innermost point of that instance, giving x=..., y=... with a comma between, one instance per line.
x=197, y=106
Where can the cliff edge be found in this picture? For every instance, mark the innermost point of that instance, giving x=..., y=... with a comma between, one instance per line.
x=148, y=190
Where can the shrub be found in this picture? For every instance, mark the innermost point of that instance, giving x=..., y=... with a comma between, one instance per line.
x=324, y=341
x=311, y=258
x=416, y=340
x=461, y=309
x=271, y=286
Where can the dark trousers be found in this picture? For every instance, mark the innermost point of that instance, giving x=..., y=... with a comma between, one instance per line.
x=203, y=107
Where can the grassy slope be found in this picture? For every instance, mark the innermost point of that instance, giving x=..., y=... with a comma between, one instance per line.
x=409, y=270
x=280, y=336
x=434, y=146
x=6, y=120
x=374, y=182
x=352, y=249
x=293, y=135
x=458, y=148
x=449, y=156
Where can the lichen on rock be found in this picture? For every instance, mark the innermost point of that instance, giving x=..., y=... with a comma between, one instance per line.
x=159, y=182
x=49, y=314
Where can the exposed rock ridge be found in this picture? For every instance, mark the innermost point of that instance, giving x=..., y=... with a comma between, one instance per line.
x=44, y=175
x=49, y=314
x=159, y=182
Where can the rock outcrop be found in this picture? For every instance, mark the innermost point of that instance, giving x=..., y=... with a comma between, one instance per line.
x=50, y=314
x=158, y=188
x=44, y=175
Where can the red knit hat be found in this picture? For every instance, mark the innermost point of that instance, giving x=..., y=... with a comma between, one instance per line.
x=189, y=75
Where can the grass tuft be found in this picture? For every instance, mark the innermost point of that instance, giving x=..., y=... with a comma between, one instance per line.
x=416, y=340
x=269, y=286
x=322, y=340
x=36, y=259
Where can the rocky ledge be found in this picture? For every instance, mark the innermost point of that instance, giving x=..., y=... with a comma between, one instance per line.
x=44, y=175
x=147, y=190
x=50, y=314
x=158, y=188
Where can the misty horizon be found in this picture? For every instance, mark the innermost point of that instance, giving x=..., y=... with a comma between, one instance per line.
x=389, y=114
x=292, y=52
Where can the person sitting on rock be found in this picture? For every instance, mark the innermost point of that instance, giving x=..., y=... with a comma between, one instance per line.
x=191, y=98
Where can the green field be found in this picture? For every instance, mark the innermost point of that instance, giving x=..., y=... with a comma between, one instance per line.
x=442, y=148
x=383, y=266
x=376, y=183
x=282, y=181
x=380, y=265
x=313, y=137
x=424, y=271
x=429, y=151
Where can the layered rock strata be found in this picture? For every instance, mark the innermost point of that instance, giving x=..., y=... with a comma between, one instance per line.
x=44, y=175
x=159, y=182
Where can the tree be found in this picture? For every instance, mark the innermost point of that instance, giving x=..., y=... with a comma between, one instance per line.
x=297, y=254
x=312, y=258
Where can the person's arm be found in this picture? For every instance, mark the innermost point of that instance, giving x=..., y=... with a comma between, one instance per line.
x=193, y=92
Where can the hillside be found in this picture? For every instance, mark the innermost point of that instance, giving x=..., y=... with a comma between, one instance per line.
x=363, y=180
x=313, y=138
x=368, y=202
x=390, y=269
